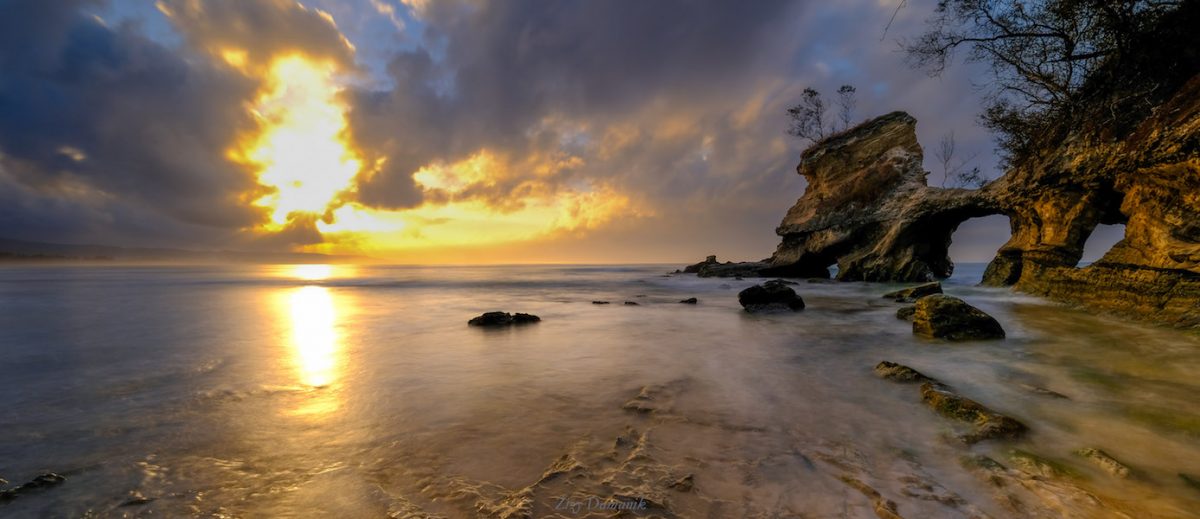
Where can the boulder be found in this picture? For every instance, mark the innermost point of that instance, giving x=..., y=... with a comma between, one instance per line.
x=773, y=295
x=911, y=294
x=945, y=317
x=599, y=302
x=689, y=301
x=900, y=373
x=496, y=319
x=631, y=303
x=905, y=313
x=988, y=423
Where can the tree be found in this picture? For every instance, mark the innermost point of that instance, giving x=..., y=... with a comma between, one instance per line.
x=809, y=116
x=846, y=103
x=1041, y=53
x=956, y=174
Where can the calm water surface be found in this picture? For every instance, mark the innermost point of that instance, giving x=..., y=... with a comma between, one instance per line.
x=309, y=391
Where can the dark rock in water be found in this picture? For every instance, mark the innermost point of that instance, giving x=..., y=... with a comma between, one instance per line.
x=695, y=268
x=911, y=294
x=900, y=373
x=43, y=481
x=711, y=268
x=905, y=313
x=599, y=302
x=988, y=423
x=137, y=499
x=944, y=317
x=631, y=303
x=769, y=296
x=1104, y=461
x=689, y=301
x=738, y=278
x=503, y=319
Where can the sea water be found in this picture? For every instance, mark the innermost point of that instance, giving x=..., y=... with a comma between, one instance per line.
x=360, y=391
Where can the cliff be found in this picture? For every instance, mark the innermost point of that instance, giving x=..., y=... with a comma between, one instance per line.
x=868, y=209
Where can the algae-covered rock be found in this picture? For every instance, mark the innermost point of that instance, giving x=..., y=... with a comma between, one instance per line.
x=951, y=318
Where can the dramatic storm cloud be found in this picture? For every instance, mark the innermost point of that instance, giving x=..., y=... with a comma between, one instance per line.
x=439, y=131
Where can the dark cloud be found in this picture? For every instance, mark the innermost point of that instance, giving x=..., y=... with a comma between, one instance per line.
x=680, y=103
x=509, y=67
x=116, y=132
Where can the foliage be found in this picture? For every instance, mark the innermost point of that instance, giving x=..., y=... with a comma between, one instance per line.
x=955, y=172
x=1042, y=54
x=809, y=119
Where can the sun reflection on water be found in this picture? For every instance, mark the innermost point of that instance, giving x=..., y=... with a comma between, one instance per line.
x=315, y=343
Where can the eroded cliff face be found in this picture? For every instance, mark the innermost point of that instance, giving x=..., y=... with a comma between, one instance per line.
x=868, y=210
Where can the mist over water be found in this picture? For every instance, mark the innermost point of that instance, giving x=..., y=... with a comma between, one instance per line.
x=361, y=392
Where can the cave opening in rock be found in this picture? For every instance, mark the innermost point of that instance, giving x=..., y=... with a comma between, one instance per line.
x=1099, y=242
x=974, y=244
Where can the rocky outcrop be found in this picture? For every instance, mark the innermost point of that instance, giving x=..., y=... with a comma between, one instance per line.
x=946, y=317
x=773, y=295
x=497, y=319
x=868, y=209
x=711, y=268
x=911, y=294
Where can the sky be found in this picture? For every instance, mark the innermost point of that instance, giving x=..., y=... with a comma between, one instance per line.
x=456, y=131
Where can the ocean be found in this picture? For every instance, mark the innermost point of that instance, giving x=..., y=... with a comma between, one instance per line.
x=360, y=391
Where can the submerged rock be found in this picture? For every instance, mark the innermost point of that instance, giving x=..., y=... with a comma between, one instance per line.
x=43, y=481
x=988, y=423
x=1104, y=461
x=946, y=317
x=1041, y=466
x=900, y=373
x=773, y=295
x=905, y=313
x=631, y=303
x=689, y=301
x=1191, y=481
x=911, y=294
x=503, y=319
x=136, y=499
x=599, y=302
x=684, y=484
x=1038, y=390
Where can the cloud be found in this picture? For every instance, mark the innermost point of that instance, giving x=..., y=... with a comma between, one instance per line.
x=115, y=132
x=258, y=31
x=658, y=125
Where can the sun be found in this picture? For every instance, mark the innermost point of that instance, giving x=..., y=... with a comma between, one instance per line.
x=301, y=153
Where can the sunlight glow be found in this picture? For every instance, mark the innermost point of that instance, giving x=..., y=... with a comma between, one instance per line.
x=312, y=272
x=301, y=154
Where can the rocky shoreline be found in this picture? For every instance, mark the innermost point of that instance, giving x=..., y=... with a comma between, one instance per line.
x=868, y=210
